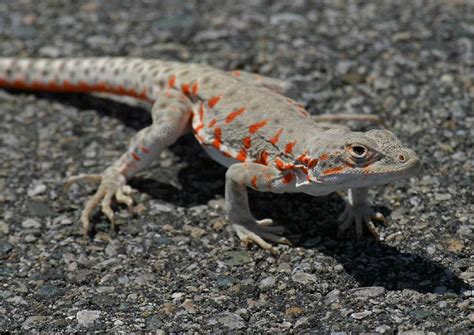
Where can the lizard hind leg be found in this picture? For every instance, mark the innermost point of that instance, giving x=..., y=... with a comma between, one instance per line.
x=248, y=229
x=171, y=114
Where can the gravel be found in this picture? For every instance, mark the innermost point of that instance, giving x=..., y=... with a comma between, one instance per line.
x=177, y=266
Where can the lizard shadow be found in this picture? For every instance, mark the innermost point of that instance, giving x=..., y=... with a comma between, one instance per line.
x=310, y=221
x=368, y=261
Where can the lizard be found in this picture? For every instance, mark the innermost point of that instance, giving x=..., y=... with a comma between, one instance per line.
x=247, y=122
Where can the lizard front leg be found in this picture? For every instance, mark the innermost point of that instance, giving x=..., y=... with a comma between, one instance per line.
x=358, y=211
x=170, y=113
x=261, y=178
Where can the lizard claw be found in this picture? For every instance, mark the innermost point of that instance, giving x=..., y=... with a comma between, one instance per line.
x=112, y=185
x=360, y=215
x=259, y=232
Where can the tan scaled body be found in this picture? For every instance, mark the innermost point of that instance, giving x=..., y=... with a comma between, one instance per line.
x=244, y=121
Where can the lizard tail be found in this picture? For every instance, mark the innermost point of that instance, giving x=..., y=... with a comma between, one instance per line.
x=121, y=76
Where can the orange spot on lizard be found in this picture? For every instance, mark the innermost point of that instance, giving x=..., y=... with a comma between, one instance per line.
x=234, y=114
x=242, y=155
x=171, y=81
x=135, y=156
x=185, y=89
x=212, y=123
x=289, y=147
x=274, y=140
x=213, y=101
x=256, y=126
x=288, y=178
x=253, y=181
x=263, y=159
x=195, y=88
x=217, y=138
x=333, y=170
x=247, y=142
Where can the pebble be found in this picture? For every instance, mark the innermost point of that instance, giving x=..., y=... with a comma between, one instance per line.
x=332, y=297
x=361, y=315
x=87, y=318
x=31, y=224
x=34, y=319
x=37, y=190
x=304, y=278
x=267, y=282
x=369, y=292
x=232, y=321
x=382, y=329
x=294, y=311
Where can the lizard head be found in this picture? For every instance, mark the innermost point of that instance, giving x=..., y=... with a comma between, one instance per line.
x=356, y=159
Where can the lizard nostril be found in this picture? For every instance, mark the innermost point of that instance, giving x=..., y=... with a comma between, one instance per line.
x=401, y=158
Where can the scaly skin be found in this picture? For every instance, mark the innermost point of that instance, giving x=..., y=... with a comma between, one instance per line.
x=244, y=121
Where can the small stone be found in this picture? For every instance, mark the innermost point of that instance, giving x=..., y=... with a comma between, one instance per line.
x=5, y=248
x=189, y=306
x=304, y=278
x=168, y=309
x=31, y=224
x=154, y=323
x=87, y=318
x=4, y=228
x=294, y=311
x=156, y=207
x=302, y=321
x=361, y=315
x=218, y=224
x=236, y=258
x=32, y=320
x=381, y=83
x=382, y=329
x=37, y=190
x=284, y=267
x=30, y=238
x=412, y=332
x=471, y=317
x=231, y=321
x=353, y=78
x=218, y=204
x=332, y=297
x=40, y=209
x=49, y=291
x=17, y=300
x=453, y=244
x=369, y=292
x=442, y=304
x=267, y=282
x=118, y=323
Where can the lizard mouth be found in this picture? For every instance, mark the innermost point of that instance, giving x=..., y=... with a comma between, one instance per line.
x=362, y=177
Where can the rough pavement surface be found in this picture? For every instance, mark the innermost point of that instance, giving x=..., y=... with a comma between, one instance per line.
x=176, y=266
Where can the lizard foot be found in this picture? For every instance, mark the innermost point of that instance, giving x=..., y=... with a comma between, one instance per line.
x=112, y=184
x=362, y=214
x=261, y=231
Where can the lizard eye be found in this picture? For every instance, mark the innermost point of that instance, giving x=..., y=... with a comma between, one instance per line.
x=358, y=151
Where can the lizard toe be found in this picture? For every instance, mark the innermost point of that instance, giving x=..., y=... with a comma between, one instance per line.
x=359, y=216
x=107, y=208
x=265, y=222
x=125, y=199
x=248, y=236
x=90, y=178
